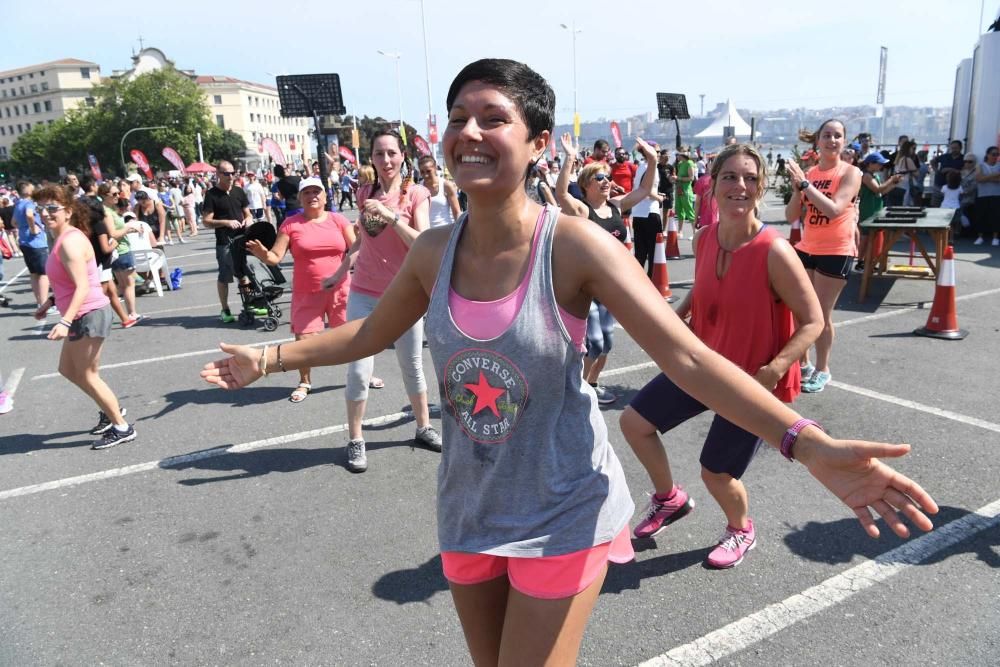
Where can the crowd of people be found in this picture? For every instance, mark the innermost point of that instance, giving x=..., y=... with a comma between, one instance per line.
x=532, y=500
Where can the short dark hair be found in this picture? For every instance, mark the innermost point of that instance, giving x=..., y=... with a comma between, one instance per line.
x=279, y=171
x=602, y=145
x=531, y=93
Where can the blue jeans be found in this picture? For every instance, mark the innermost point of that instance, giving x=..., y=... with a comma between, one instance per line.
x=600, y=330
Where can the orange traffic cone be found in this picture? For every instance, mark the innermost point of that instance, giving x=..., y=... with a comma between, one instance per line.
x=796, y=234
x=661, y=280
x=943, y=320
x=673, y=251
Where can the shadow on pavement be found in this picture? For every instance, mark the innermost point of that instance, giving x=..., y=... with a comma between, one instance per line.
x=245, y=465
x=237, y=399
x=628, y=576
x=23, y=443
x=840, y=541
x=417, y=584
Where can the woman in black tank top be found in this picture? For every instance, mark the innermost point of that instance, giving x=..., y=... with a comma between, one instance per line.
x=601, y=208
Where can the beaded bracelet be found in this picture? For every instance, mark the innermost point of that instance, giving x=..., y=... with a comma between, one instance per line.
x=65, y=323
x=792, y=435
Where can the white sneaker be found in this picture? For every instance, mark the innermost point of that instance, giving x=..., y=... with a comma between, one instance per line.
x=978, y=241
x=6, y=403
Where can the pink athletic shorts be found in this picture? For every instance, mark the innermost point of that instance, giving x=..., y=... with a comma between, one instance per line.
x=311, y=308
x=546, y=577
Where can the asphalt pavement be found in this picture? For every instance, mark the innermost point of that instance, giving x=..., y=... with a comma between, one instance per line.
x=230, y=532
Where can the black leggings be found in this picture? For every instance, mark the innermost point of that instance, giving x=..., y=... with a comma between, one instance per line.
x=646, y=230
x=348, y=196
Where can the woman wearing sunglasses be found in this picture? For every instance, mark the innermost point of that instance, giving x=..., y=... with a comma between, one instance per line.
x=85, y=309
x=598, y=205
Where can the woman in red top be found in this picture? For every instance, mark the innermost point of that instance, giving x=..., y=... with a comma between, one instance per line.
x=748, y=285
x=85, y=310
x=829, y=194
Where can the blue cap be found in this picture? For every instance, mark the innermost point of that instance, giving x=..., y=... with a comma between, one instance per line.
x=875, y=157
x=855, y=146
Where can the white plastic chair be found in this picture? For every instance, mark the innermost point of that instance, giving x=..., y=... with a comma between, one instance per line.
x=149, y=259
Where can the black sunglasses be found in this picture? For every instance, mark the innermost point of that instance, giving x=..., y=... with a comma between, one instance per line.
x=600, y=177
x=227, y=173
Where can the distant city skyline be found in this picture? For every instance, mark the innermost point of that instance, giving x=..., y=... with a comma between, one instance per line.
x=785, y=54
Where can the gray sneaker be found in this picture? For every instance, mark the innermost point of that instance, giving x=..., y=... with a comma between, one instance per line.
x=429, y=437
x=604, y=396
x=356, y=459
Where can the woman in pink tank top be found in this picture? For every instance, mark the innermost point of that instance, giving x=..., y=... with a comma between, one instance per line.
x=748, y=285
x=829, y=195
x=85, y=310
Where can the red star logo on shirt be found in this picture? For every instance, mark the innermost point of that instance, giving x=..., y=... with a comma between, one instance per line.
x=486, y=395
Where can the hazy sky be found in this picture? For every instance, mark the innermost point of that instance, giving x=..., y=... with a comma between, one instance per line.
x=765, y=55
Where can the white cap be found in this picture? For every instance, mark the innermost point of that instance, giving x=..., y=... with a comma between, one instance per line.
x=311, y=182
x=134, y=178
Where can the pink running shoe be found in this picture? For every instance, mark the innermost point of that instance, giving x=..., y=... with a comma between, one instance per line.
x=6, y=403
x=732, y=547
x=660, y=514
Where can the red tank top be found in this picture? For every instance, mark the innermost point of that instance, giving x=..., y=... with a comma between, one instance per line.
x=739, y=315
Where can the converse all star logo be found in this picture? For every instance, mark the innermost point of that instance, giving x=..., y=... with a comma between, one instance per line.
x=487, y=394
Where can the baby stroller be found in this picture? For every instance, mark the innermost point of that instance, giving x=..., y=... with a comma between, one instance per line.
x=259, y=284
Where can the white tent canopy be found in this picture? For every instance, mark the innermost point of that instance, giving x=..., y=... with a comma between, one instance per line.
x=730, y=116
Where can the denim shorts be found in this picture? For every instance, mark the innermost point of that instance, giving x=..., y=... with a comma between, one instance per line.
x=34, y=259
x=125, y=262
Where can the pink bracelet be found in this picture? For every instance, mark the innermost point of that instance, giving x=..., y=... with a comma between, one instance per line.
x=792, y=435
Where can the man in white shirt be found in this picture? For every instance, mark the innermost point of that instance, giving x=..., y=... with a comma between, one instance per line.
x=257, y=196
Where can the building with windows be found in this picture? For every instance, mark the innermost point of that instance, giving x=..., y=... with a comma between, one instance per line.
x=41, y=94
x=252, y=111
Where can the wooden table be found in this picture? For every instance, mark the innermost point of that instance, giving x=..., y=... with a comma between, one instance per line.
x=936, y=224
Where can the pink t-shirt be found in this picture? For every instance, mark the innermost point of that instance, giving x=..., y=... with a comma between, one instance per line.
x=380, y=257
x=708, y=208
x=318, y=247
x=62, y=283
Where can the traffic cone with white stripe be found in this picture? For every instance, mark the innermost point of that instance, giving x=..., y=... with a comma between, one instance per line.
x=629, y=237
x=943, y=320
x=796, y=234
x=673, y=251
x=661, y=279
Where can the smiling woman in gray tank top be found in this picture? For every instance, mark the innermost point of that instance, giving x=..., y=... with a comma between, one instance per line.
x=532, y=501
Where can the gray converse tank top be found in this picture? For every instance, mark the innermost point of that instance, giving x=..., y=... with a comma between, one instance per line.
x=527, y=469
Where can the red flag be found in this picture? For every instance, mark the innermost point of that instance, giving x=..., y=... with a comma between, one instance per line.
x=274, y=150
x=346, y=153
x=616, y=134
x=432, y=128
x=421, y=145
x=291, y=144
x=95, y=167
x=141, y=161
x=173, y=157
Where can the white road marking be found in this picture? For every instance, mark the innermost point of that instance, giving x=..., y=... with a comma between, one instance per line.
x=8, y=283
x=171, y=258
x=176, y=461
x=628, y=369
x=923, y=305
x=774, y=618
x=149, y=313
x=13, y=380
x=913, y=405
x=153, y=360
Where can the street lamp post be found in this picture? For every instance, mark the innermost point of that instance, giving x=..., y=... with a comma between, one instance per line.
x=427, y=67
x=121, y=146
x=576, y=116
x=396, y=55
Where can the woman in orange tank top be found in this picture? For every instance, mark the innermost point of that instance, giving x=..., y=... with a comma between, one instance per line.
x=829, y=195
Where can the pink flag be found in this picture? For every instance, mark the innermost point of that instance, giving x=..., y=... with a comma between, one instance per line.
x=346, y=153
x=274, y=150
x=95, y=167
x=421, y=145
x=141, y=161
x=616, y=134
x=173, y=157
x=552, y=147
